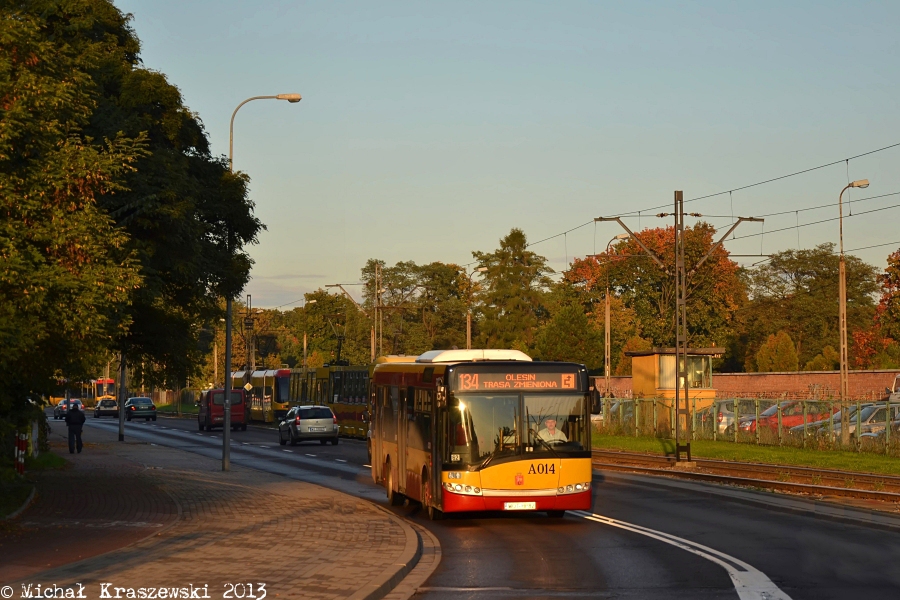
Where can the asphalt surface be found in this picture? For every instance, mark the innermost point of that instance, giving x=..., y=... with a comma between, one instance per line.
x=724, y=546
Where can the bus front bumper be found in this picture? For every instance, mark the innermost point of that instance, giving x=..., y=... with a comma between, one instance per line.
x=453, y=502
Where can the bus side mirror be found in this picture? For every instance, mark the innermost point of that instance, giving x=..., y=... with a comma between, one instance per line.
x=364, y=418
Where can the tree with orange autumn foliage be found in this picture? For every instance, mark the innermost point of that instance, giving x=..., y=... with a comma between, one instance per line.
x=714, y=291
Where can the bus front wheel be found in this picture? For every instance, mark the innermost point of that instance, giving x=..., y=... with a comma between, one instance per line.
x=431, y=512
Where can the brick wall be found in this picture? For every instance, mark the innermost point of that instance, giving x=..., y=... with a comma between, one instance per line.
x=803, y=385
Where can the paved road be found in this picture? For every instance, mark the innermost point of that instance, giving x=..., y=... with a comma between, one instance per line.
x=765, y=553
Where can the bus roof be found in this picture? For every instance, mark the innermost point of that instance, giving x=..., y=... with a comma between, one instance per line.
x=446, y=356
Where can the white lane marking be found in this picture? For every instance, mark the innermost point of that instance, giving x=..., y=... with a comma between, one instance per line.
x=266, y=447
x=340, y=460
x=749, y=582
x=370, y=466
x=286, y=450
x=313, y=455
x=200, y=434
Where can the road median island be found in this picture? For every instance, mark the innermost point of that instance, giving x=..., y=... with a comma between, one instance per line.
x=159, y=518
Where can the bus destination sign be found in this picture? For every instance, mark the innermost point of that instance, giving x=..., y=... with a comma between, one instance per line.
x=491, y=381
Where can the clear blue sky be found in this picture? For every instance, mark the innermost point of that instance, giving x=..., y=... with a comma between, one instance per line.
x=429, y=130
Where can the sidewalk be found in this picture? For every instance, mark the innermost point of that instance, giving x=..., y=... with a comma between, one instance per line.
x=138, y=515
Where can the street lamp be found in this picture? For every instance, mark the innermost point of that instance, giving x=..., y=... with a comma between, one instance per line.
x=606, y=345
x=226, y=437
x=469, y=308
x=842, y=318
x=305, y=304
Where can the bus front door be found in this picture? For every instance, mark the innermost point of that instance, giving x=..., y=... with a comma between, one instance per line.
x=402, y=451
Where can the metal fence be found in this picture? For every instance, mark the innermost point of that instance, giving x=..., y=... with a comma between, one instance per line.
x=181, y=402
x=814, y=424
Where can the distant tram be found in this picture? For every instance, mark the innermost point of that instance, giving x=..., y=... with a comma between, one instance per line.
x=268, y=396
x=475, y=430
x=343, y=388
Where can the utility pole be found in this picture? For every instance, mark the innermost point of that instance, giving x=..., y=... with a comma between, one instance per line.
x=682, y=402
x=248, y=338
x=681, y=339
x=123, y=396
x=842, y=315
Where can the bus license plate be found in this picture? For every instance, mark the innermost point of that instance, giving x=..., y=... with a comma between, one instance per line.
x=519, y=505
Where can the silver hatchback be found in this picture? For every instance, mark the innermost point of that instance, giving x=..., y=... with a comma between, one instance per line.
x=303, y=423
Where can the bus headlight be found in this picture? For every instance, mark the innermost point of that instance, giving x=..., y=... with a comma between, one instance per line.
x=458, y=488
x=575, y=488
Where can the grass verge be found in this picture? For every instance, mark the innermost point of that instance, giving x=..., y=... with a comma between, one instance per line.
x=862, y=462
x=170, y=409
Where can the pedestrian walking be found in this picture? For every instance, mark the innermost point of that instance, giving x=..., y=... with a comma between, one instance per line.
x=74, y=421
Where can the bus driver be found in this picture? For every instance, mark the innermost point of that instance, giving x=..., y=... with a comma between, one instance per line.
x=550, y=433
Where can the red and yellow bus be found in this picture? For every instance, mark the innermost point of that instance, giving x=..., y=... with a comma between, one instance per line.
x=476, y=430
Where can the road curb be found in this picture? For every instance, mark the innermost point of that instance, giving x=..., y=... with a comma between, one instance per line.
x=384, y=584
x=788, y=504
x=25, y=505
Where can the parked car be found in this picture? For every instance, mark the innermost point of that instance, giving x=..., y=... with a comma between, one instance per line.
x=212, y=409
x=304, y=423
x=62, y=409
x=816, y=427
x=138, y=407
x=106, y=407
x=879, y=435
x=791, y=415
x=722, y=414
x=871, y=419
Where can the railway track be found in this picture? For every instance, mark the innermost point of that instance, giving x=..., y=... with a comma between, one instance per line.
x=785, y=478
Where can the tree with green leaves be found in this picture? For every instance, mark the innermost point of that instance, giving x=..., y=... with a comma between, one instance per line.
x=66, y=271
x=511, y=303
x=778, y=354
x=570, y=336
x=797, y=292
x=177, y=202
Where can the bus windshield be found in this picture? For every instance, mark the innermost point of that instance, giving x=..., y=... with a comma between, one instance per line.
x=483, y=425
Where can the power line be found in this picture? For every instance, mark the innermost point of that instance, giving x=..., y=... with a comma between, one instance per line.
x=865, y=212
x=737, y=189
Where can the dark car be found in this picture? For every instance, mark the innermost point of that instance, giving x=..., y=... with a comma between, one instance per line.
x=304, y=423
x=62, y=409
x=106, y=408
x=135, y=408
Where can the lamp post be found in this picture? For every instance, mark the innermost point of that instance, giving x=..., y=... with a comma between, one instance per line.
x=226, y=435
x=305, y=304
x=606, y=345
x=469, y=308
x=842, y=312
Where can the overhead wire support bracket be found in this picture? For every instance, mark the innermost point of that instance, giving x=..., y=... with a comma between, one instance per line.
x=718, y=244
x=649, y=252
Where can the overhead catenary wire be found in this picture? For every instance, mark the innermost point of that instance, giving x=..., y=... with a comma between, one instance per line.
x=865, y=212
x=731, y=191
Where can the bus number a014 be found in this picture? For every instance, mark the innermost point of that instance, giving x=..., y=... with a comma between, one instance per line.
x=542, y=469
